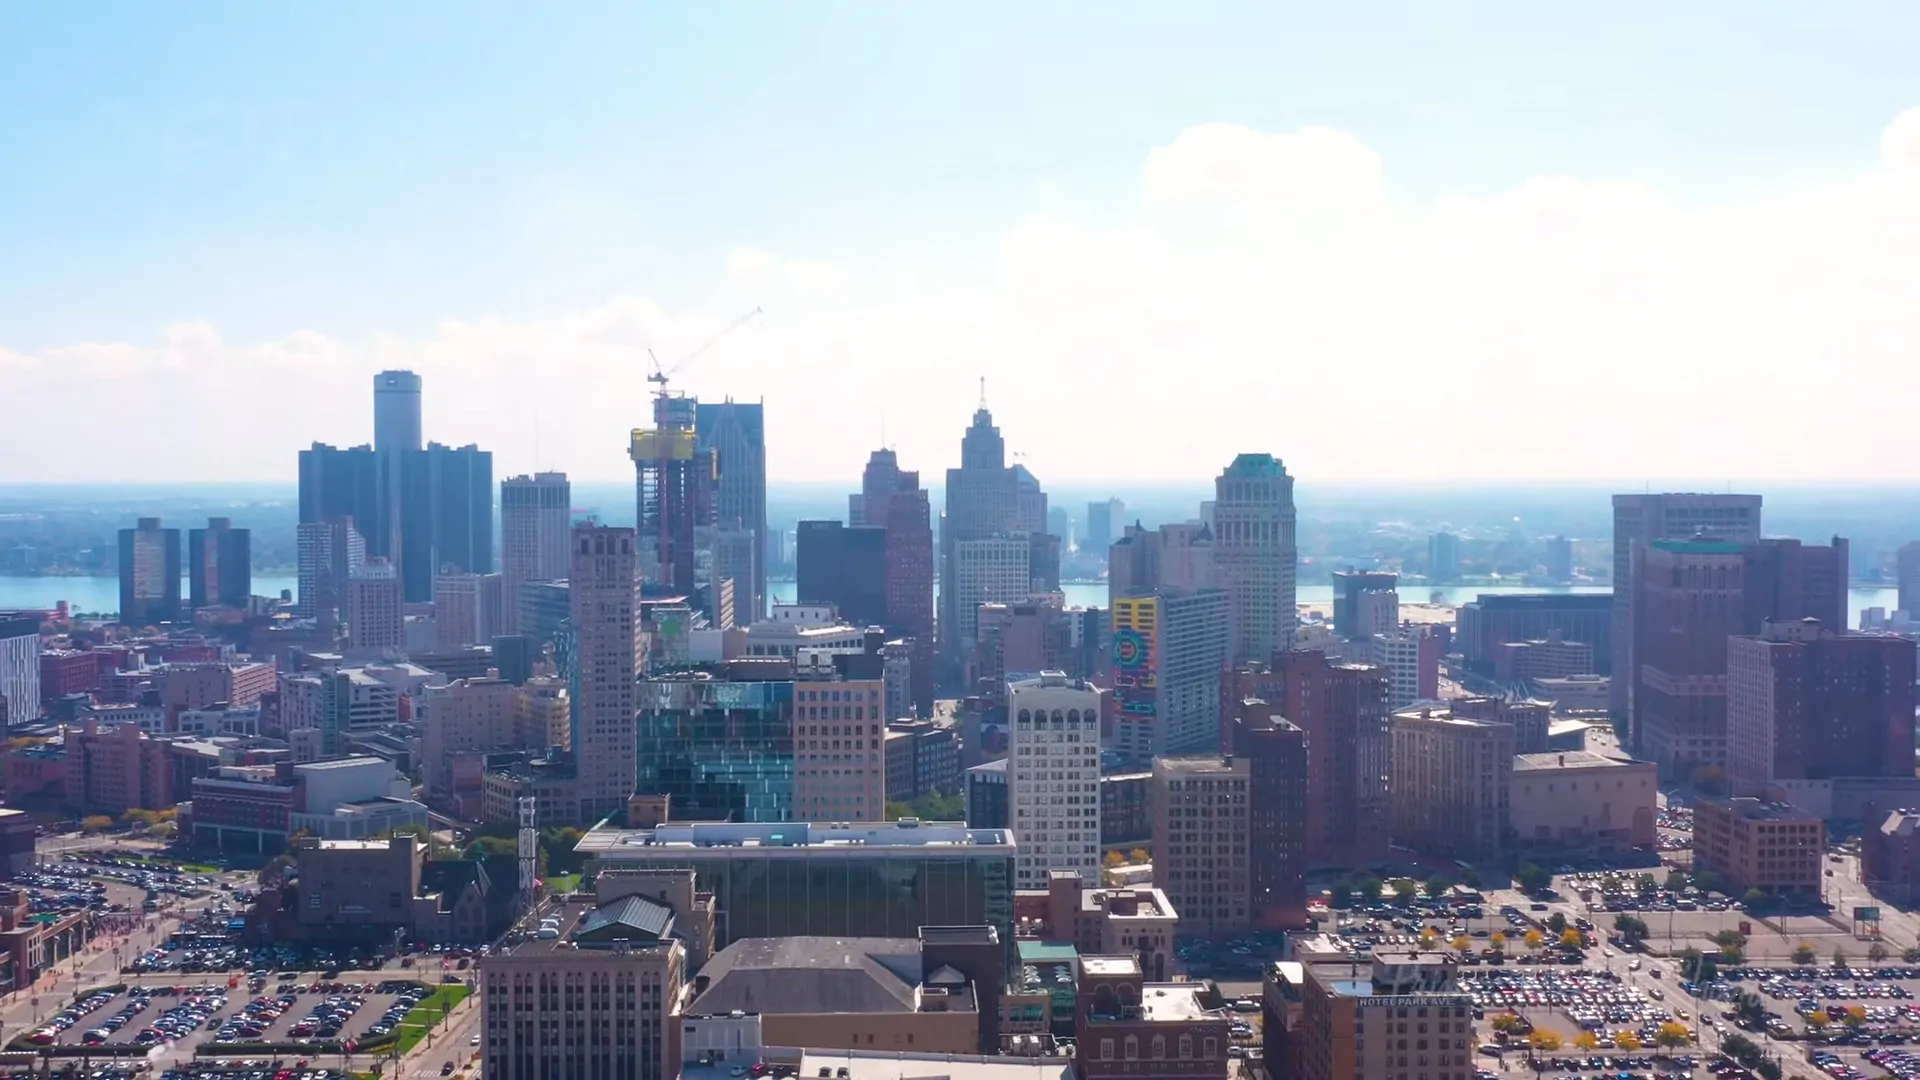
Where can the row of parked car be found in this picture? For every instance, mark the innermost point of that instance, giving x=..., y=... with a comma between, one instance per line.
x=49, y=1033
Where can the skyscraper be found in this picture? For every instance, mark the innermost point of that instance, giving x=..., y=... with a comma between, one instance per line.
x=1443, y=557
x=719, y=749
x=149, y=574
x=396, y=435
x=467, y=608
x=1787, y=580
x=219, y=565
x=736, y=433
x=1169, y=649
x=1254, y=552
x=1349, y=588
x=447, y=515
x=336, y=483
x=1030, y=502
x=1451, y=776
x=844, y=566
x=327, y=554
x=608, y=658
x=396, y=411
x=1142, y=562
x=1053, y=777
x=674, y=482
x=1105, y=520
x=982, y=504
x=535, y=513
x=1907, y=576
x=1276, y=753
x=1342, y=708
x=910, y=581
x=1559, y=560
x=1637, y=521
x=375, y=619
x=1805, y=703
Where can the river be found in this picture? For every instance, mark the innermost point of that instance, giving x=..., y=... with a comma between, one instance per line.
x=97, y=594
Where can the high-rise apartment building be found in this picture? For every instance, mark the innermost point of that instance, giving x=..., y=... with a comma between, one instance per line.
x=465, y=719
x=1443, y=557
x=1907, y=576
x=1342, y=708
x=1411, y=656
x=1804, y=703
x=468, y=608
x=446, y=515
x=736, y=434
x=535, y=513
x=1254, y=552
x=1637, y=521
x=1201, y=854
x=327, y=553
x=219, y=565
x=1276, y=756
x=19, y=668
x=375, y=619
x=1169, y=651
x=1143, y=562
x=608, y=659
x=674, y=482
x=1559, y=560
x=1053, y=777
x=1452, y=777
x=843, y=566
x=149, y=574
x=982, y=508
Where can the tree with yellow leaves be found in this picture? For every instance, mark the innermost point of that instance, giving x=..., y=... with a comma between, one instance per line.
x=1587, y=1040
x=1819, y=1018
x=1429, y=938
x=1627, y=1041
x=1544, y=1041
x=1535, y=939
x=1572, y=939
x=1671, y=1035
x=1461, y=943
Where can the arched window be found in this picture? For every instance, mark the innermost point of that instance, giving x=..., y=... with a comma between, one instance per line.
x=1133, y=1047
x=1159, y=1047
x=1186, y=1046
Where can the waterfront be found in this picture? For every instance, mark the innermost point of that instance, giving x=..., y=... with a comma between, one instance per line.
x=102, y=594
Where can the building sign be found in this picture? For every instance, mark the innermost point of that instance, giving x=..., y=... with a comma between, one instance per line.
x=1866, y=914
x=1417, y=1001
x=1136, y=670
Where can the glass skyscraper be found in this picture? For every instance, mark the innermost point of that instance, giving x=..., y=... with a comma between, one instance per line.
x=722, y=751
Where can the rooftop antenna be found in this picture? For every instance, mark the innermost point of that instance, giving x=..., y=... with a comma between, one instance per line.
x=983, y=391
x=536, y=440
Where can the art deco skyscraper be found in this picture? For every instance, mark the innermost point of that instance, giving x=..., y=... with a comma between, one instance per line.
x=535, y=514
x=982, y=504
x=1255, y=556
x=604, y=588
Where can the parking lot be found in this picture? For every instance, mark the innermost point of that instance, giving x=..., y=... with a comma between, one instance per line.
x=274, y=1010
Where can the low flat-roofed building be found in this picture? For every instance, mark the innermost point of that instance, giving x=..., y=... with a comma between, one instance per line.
x=872, y=1065
x=1130, y=1028
x=1139, y=919
x=1582, y=801
x=1759, y=845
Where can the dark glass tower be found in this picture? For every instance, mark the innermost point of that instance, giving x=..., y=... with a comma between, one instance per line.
x=446, y=515
x=149, y=574
x=337, y=483
x=736, y=432
x=219, y=565
x=722, y=751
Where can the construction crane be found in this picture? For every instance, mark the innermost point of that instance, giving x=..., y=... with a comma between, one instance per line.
x=659, y=376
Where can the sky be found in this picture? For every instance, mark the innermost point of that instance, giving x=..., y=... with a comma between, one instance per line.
x=1391, y=241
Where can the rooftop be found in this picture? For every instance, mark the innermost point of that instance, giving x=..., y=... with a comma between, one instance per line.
x=1110, y=965
x=673, y=839
x=812, y=975
x=1571, y=759
x=1755, y=810
x=1199, y=764
x=1167, y=1002
x=580, y=922
x=905, y=1066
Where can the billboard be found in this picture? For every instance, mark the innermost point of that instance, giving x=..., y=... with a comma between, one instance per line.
x=1136, y=667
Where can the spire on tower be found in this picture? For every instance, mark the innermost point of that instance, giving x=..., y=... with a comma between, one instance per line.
x=983, y=392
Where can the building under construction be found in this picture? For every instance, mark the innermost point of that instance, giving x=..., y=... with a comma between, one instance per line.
x=675, y=482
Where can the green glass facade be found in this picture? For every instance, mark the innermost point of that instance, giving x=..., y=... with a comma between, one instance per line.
x=722, y=751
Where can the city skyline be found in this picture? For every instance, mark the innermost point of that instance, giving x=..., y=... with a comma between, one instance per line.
x=1215, y=241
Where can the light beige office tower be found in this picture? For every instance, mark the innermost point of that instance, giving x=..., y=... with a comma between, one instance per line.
x=609, y=657
x=535, y=513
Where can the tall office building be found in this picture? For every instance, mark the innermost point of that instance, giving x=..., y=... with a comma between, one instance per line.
x=736, y=433
x=1451, y=776
x=1349, y=589
x=149, y=574
x=1443, y=557
x=1053, y=777
x=396, y=412
x=1200, y=833
x=535, y=514
x=1907, y=576
x=982, y=505
x=1805, y=703
x=1029, y=502
x=468, y=608
x=1142, y=562
x=337, y=483
x=843, y=566
x=1411, y=656
x=1342, y=708
x=608, y=658
x=327, y=554
x=446, y=515
x=909, y=580
x=1105, y=521
x=1787, y=580
x=839, y=735
x=721, y=749
x=736, y=559
x=674, y=483
x=375, y=617
x=985, y=571
x=1276, y=754
x=19, y=668
x=1559, y=560
x=219, y=565
x=1255, y=554
x=397, y=436
x=1637, y=521
x=1169, y=650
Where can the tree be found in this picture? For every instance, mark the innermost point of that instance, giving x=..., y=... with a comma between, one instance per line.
x=1437, y=886
x=897, y=810
x=1498, y=943
x=1631, y=927
x=1671, y=1035
x=1533, y=878
x=1768, y=1070
x=1757, y=899
x=1534, y=940
x=1586, y=1040
x=1749, y=1008
x=1819, y=1018
x=1405, y=890
x=1854, y=1016
x=1572, y=939
x=1544, y=1041
x=1139, y=856
x=1368, y=887
x=1803, y=952
x=1840, y=958
x=937, y=807
x=1556, y=923
x=1470, y=878
x=1676, y=880
x=95, y=823
x=1690, y=963
x=1339, y=896
x=1743, y=1050
x=1429, y=938
x=1509, y=1023
x=1113, y=860
x=1877, y=952
x=1911, y=954
x=1709, y=881
x=1643, y=882
x=1627, y=1041
x=1461, y=943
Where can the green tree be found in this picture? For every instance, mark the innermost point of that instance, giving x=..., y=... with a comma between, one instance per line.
x=1368, y=887
x=1840, y=958
x=1557, y=923
x=1877, y=952
x=1757, y=900
x=1768, y=1070
x=939, y=807
x=1749, y=1007
x=1631, y=927
x=1340, y=895
x=1532, y=877
x=1709, y=881
x=1437, y=886
x=1471, y=878
x=897, y=810
x=1910, y=954
x=1742, y=1049
x=1676, y=880
x=1405, y=890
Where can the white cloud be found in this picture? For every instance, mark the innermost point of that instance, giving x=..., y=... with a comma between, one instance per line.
x=1265, y=293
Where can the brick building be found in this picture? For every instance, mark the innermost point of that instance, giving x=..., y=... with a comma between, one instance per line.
x=1200, y=842
x=1757, y=845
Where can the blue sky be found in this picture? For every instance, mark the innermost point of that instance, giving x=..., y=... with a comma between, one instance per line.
x=371, y=172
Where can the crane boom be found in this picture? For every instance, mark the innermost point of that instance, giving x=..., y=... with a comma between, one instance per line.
x=659, y=376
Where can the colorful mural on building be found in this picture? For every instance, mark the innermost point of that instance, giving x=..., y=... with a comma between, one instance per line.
x=1136, y=667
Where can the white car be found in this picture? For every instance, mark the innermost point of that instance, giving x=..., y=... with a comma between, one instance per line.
x=475, y=1041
